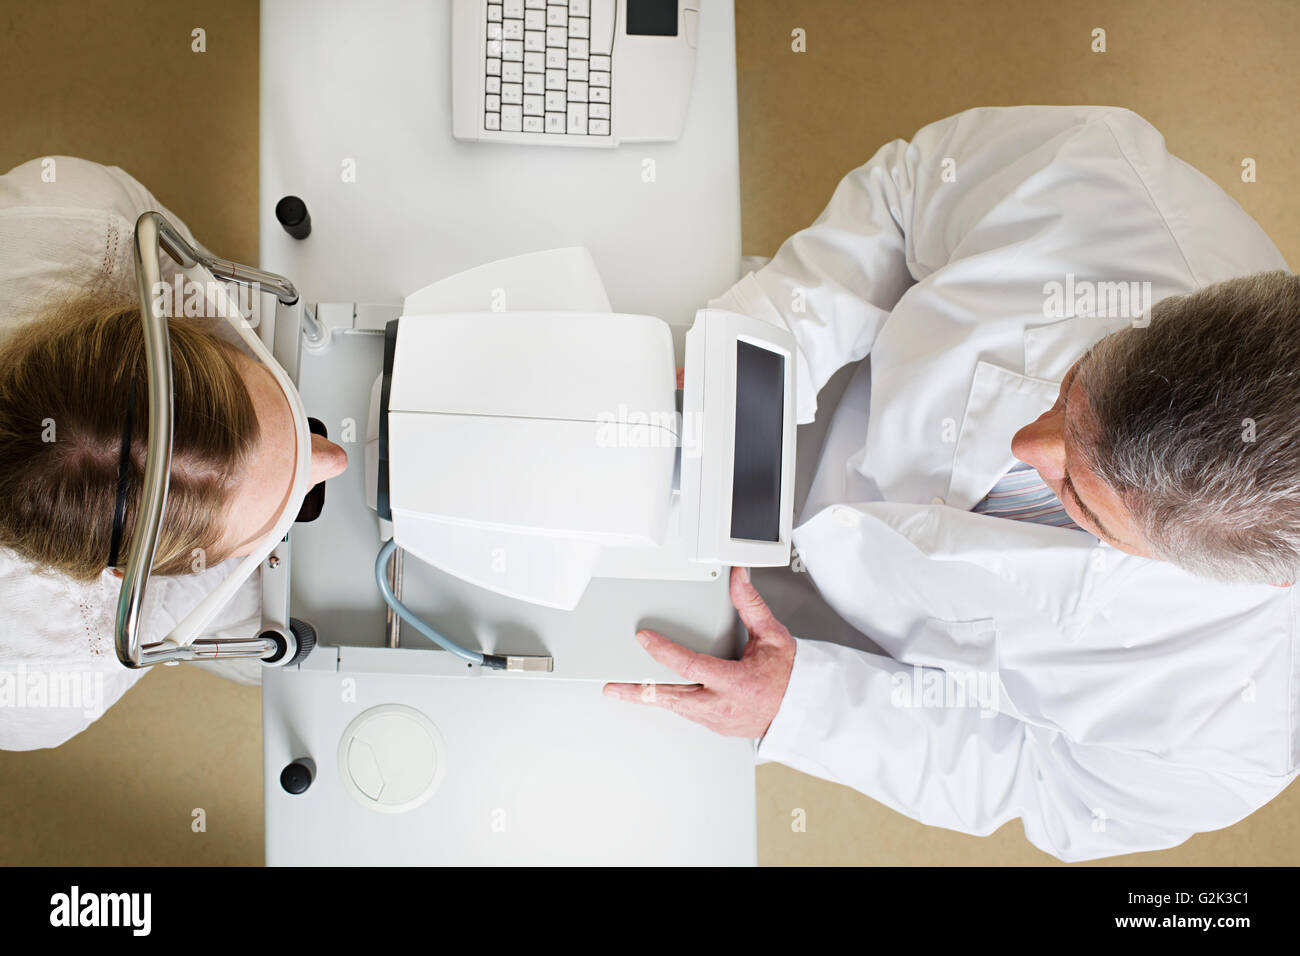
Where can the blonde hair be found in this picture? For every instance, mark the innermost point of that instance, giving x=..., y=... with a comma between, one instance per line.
x=65, y=382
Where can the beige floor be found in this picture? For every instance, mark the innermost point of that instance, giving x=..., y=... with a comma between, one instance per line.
x=1218, y=78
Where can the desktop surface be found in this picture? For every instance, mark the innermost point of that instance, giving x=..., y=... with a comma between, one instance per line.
x=355, y=118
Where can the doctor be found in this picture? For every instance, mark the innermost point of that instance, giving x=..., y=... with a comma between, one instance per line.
x=1063, y=502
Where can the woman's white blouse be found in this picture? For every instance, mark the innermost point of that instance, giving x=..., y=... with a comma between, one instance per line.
x=66, y=228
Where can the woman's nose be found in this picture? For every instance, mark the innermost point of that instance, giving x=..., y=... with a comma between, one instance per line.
x=327, y=460
x=1041, y=445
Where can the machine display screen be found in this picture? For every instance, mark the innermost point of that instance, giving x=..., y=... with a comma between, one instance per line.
x=760, y=415
x=653, y=18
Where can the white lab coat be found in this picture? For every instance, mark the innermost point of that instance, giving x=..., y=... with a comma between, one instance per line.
x=66, y=228
x=1135, y=704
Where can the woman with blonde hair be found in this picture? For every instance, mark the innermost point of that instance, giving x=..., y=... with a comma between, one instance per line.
x=73, y=420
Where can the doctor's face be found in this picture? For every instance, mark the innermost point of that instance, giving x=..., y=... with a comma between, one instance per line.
x=1050, y=445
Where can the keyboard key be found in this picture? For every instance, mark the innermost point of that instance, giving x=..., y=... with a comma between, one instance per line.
x=494, y=48
x=556, y=80
x=604, y=13
x=556, y=57
x=579, y=8
x=600, y=62
x=599, y=79
x=512, y=50
x=598, y=110
x=577, y=48
x=492, y=103
x=557, y=36
x=556, y=16
x=534, y=62
x=533, y=106
x=579, y=27
x=493, y=66
x=577, y=69
x=535, y=40
x=494, y=31
x=555, y=101
x=512, y=93
x=512, y=119
x=598, y=94
x=534, y=20
x=494, y=84
x=512, y=72
x=534, y=83
x=577, y=118
x=555, y=122
x=491, y=120
x=513, y=30
x=535, y=4
x=494, y=12
x=598, y=127
x=577, y=91
x=532, y=124
x=513, y=8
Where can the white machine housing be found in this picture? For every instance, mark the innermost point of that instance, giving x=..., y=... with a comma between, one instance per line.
x=529, y=451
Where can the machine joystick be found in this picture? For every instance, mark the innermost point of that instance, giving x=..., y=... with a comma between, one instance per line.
x=293, y=216
x=297, y=776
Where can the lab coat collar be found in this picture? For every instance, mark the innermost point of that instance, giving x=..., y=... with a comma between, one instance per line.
x=1002, y=401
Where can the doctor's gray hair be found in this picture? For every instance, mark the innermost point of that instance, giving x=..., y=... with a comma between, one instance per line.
x=1197, y=427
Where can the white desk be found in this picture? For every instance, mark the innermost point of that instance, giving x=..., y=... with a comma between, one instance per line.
x=577, y=777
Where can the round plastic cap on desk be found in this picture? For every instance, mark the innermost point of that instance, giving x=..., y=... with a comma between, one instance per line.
x=392, y=758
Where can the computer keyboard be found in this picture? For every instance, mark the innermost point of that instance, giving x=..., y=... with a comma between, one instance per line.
x=548, y=66
x=541, y=72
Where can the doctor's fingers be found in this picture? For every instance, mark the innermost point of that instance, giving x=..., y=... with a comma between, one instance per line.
x=706, y=707
x=754, y=612
x=695, y=667
x=668, y=696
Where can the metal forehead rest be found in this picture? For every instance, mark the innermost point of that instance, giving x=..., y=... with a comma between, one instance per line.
x=154, y=233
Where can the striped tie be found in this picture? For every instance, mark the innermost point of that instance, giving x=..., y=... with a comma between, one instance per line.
x=1021, y=495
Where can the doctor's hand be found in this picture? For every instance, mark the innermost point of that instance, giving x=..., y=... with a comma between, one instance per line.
x=733, y=698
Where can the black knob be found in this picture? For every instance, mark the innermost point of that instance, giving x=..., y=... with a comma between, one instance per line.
x=293, y=215
x=297, y=777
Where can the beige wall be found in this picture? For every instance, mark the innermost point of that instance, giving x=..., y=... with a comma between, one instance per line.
x=117, y=83
x=1219, y=79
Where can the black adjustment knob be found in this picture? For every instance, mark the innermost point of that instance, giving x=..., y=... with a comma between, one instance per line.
x=293, y=215
x=297, y=777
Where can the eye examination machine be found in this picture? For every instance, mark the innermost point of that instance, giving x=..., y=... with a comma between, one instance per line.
x=528, y=451
x=528, y=482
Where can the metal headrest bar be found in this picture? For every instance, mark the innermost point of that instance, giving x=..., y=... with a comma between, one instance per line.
x=154, y=232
